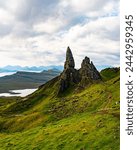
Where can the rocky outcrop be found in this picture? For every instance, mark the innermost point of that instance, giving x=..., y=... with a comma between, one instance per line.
x=88, y=72
x=69, y=63
x=69, y=75
x=84, y=76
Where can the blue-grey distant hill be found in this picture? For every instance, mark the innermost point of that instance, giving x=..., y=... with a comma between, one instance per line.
x=26, y=80
x=10, y=68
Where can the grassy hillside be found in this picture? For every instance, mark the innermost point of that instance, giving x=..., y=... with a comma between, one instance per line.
x=109, y=73
x=85, y=120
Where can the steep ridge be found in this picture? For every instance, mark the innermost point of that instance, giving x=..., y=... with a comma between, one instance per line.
x=86, y=119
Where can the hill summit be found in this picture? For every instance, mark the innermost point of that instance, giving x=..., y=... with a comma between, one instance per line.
x=85, y=75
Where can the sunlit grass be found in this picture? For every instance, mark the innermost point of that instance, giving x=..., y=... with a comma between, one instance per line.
x=85, y=120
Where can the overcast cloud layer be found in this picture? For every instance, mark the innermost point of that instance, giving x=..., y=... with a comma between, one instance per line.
x=37, y=32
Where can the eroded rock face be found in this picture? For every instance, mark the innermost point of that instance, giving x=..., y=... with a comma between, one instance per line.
x=88, y=72
x=69, y=75
x=86, y=69
x=96, y=75
x=84, y=76
x=69, y=63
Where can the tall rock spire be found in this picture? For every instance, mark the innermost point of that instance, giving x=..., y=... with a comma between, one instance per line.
x=82, y=77
x=69, y=59
x=69, y=75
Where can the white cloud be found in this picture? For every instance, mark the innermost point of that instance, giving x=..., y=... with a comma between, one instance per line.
x=37, y=32
x=87, y=5
x=51, y=25
x=5, y=16
x=94, y=8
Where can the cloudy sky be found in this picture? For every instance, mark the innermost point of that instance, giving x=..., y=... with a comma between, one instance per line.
x=37, y=32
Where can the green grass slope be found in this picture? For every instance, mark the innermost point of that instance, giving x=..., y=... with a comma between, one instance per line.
x=109, y=73
x=86, y=120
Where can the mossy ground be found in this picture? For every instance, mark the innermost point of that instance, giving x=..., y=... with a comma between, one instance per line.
x=86, y=120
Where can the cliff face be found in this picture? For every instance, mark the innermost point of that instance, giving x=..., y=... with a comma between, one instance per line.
x=85, y=75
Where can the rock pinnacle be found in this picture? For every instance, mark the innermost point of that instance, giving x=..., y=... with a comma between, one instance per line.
x=69, y=59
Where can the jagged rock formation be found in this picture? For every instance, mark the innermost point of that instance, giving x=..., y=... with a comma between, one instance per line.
x=69, y=63
x=88, y=72
x=70, y=75
x=85, y=75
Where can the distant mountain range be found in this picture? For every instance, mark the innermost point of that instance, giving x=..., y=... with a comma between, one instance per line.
x=26, y=80
x=10, y=68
